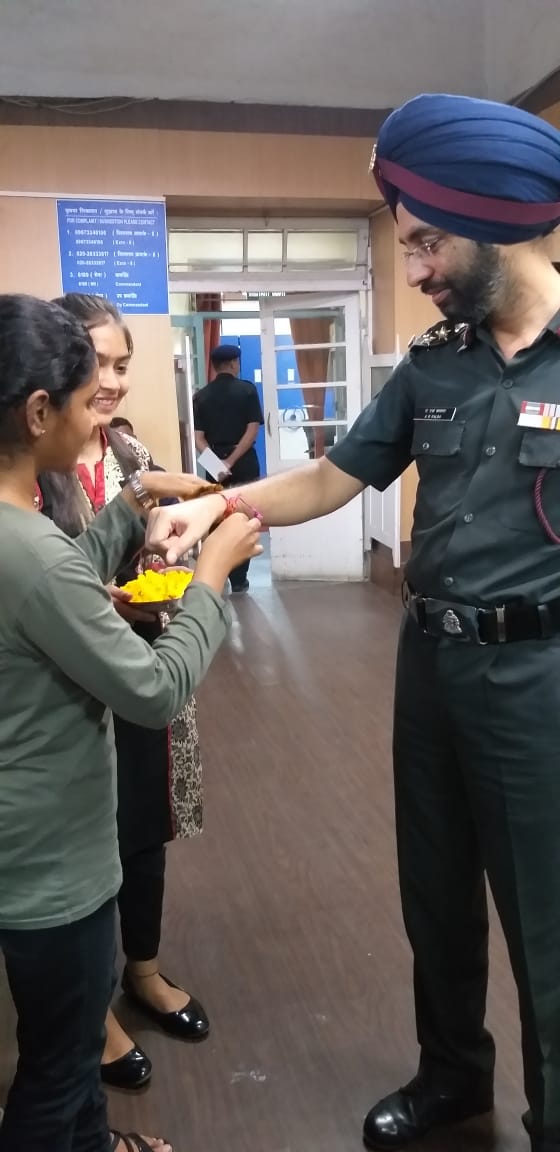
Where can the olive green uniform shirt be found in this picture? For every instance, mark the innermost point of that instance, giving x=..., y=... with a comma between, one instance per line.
x=454, y=405
x=67, y=659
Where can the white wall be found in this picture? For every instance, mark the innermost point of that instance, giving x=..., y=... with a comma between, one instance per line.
x=348, y=53
x=521, y=44
x=337, y=53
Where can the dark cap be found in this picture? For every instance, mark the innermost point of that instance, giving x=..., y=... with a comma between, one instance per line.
x=224, y=353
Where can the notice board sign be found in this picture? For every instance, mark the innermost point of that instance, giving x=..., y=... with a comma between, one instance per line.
x=117, y=249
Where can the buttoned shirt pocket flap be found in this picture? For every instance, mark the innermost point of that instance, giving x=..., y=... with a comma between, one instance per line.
x=437, y=437
x=540, y=448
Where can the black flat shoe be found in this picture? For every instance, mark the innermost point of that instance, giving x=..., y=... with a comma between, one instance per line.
x=130, y=1072
x=409, y=1114
x=189, y=1023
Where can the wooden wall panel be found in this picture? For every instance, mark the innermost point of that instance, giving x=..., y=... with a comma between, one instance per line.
x=29, y=247
x=150, y=162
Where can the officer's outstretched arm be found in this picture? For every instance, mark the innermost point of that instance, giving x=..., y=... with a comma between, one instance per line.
x=290, y=498
x=300, y=494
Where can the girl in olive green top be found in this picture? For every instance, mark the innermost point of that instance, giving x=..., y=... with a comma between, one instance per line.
x=66, y=660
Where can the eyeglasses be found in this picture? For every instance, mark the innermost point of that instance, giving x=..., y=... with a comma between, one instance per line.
x=425, y=250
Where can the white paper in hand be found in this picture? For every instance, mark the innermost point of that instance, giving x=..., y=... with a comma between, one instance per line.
x=212, y=464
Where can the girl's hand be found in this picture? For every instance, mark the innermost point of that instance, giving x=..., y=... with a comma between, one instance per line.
x=235, y=540
x=132, y=613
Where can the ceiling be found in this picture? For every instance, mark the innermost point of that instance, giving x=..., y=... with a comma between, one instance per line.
x=359, y=54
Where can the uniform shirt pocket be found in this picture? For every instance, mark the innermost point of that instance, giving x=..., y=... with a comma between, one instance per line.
x=437, y=451
x=437, y=438
x=539, y=448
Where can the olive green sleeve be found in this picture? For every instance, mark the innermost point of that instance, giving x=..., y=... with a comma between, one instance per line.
x=70, y=618
x=112, y=539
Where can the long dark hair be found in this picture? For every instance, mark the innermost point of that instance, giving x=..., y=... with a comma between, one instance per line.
x=42, y=348
x=63, y=498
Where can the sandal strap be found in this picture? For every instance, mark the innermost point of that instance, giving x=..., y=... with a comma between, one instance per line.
x=127, y=1138
x=132, y=1141
x=137, y=1143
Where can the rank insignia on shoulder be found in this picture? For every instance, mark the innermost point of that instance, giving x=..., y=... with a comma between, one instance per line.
x=443, y=333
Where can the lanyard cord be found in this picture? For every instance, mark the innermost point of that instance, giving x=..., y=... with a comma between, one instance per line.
x=539, y=509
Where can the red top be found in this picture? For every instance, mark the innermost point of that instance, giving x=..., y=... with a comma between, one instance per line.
x=94, y=490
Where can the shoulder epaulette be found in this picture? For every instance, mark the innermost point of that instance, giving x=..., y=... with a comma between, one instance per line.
x=443, y=333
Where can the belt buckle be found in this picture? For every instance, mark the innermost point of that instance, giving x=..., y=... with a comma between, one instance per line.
x=461, y=623
x=451, y=624
x=459, y=626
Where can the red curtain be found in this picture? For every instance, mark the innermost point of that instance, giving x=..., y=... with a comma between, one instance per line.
x=210, y=302
x=313, y=366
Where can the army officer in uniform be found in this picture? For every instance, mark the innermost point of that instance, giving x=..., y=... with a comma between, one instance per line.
x=474, y=187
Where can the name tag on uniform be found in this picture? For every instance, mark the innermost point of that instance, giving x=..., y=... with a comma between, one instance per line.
x=435, y=413
x=534, y=415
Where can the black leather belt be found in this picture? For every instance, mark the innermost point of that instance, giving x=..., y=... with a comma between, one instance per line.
x=501, y=625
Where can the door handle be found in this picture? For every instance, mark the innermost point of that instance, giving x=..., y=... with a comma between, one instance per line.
x=268, y=424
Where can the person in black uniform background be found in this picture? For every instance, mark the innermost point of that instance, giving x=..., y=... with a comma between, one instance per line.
x=227, y=418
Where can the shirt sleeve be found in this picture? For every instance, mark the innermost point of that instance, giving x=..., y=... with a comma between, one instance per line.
x=112, y=539
x=70, y=619
x=254, y=414
x=377, y=449
x=198, y=415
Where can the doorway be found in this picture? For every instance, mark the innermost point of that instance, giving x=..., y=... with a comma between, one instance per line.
x=303, y=353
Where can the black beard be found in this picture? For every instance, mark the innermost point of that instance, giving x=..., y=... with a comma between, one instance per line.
x=472, y=292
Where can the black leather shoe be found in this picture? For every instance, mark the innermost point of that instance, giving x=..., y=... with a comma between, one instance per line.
x=132, y=1071
x=189, y=1023
x=243, y=587
x=407, y=1115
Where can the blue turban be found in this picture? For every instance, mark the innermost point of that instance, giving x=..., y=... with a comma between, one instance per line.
x=487, y=171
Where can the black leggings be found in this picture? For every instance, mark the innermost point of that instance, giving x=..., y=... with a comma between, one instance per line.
x=141, y=902
x=61, y=981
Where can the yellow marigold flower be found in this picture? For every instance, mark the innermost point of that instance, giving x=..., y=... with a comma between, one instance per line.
x=158, y=587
